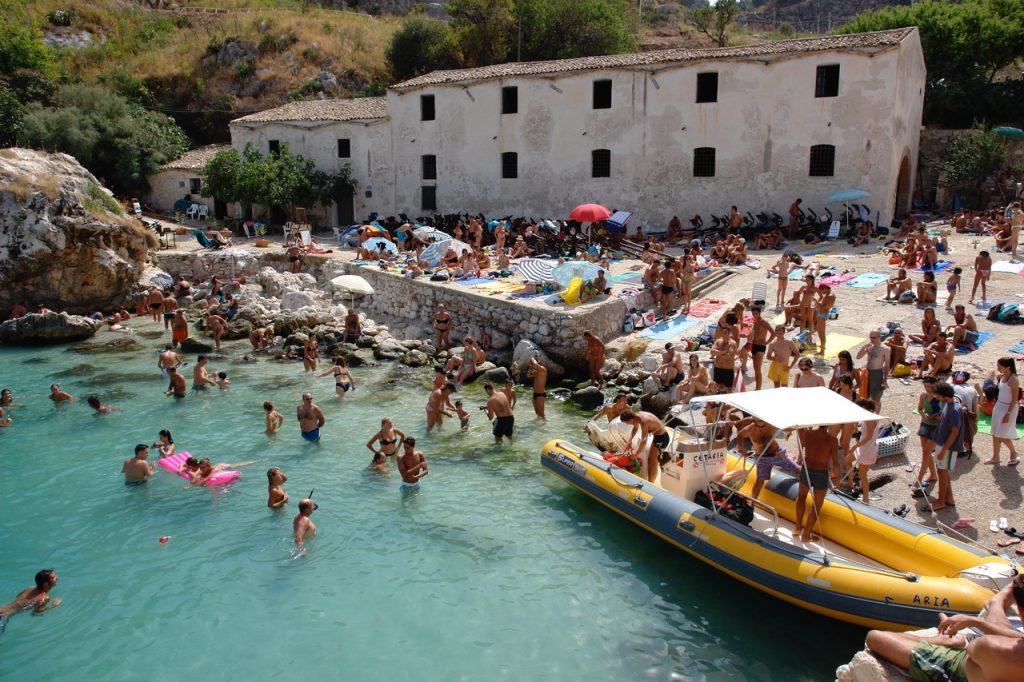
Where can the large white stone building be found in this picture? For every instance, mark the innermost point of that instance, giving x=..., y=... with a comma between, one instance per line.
x=670, y=132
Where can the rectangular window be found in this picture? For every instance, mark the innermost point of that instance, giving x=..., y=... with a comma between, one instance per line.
x=823, y=161
x=510, y=165
x=510, y=100
x=429, y=202
x=603, y=94
x=826, y=83
x=194, y=185
x=429, y=166
x=707, y=87
x=274, y=146
x=601, y=163
x=344, y=148
x=426, y=107
x=704, y=162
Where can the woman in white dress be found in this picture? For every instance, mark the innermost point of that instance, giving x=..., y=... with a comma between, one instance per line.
x=1004, y=412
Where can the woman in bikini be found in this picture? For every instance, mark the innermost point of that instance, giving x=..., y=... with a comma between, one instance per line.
x=472, y=355
x=686, y=277
x=389, y=437
x=165, y=445
x=929, y=329
x=310, y=354
x=343, y=381
x=982, y=271
x=846, y=382
x=697, y=384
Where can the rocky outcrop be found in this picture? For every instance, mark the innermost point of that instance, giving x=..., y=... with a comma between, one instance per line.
x=50, y=327
x=59, y=243
x=526, y=349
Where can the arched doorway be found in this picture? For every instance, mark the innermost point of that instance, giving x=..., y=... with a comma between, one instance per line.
x=902, y=204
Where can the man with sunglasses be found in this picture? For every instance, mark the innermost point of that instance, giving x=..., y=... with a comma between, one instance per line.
x=311, y=418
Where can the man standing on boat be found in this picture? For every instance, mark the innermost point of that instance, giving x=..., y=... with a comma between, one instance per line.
x=820, y=451
x=770, y=454
x=646, y=423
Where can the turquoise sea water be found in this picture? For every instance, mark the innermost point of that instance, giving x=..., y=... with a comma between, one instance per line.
x=494, y=570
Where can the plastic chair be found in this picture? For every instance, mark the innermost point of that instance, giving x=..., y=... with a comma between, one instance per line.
x=759, y=293
x=307, y=238
x=193, y=211
x=203, y=212
x=248, y=230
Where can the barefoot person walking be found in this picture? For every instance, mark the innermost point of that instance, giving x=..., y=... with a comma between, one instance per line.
x=1004, y=413
x=820, y=451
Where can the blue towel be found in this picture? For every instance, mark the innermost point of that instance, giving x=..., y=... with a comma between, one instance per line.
x=666, y=329
x=796, y=275
x=867, y=280
x=982, y=338
x=472, y=281
x=1018, y=348
x=939, y=266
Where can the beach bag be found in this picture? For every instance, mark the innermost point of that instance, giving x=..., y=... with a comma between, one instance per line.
x=863, y=387
x=901, y=370
x=638, y=321
x=735, y=508
x=1009, y=312
x=993, y=312
x=649, y=318
x=627, y=325
x=630, y=463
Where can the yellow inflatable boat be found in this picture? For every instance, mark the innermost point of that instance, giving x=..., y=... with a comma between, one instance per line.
x=868, y=568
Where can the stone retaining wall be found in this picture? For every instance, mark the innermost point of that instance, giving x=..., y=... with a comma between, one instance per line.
x=559, y=331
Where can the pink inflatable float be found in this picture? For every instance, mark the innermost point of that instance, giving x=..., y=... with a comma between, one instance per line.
x=174, y=464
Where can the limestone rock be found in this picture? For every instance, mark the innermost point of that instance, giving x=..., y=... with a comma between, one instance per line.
x=238, y=329
x=50, y=327
x=293, y=300
x=658, y=403
x=611, y=368
x=194, y=345
x=58, y=244
x=428, y=348
x=589, y=398
x=497, y=376
x=389, y=350
x=296, y=339
x=415, y=358
x=526, y=349
x=274, y=283
x=650, y=361
x=482, y=369
x=120, y=344
x=500, y=340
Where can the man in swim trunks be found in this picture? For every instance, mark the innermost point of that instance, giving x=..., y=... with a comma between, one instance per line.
x=302, y=525
x=412, y=464
x=821, y=450
x=179, y=328
x=261, y=337
x=669, y=282
x=539, y=374
x=615, y=409
x=595, y=357
x=769, y=453
x=998, y=654
x=877, y=365
x=897, y=285
x=782, y=354
x=440, y=398
x=136, y=469
x=156, y=302
x=353, y=328
x=59, y=396
x=442, y=324
x=176, y=386
x=723, y=352
x=167, y=359
x=965, y=333
x=170, y=306
x=646, y=423
x=36, y=598
x=760, y=334
x=670, y=372
x=215, y=324
x=200, y=376
x=499, y=410
x=310, y=418
x=938, y=356
x=822, y=307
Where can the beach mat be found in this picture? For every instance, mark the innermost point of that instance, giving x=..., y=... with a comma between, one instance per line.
x=985, y=425
x=796, y=275
x=629, y=278
x=939, y=267
x=836, y=280
x=867, y=280
x=705, y=307
x=498, y=286
x=1008, y=267
x=1017, y=348
x=472, y=281
x=669, y=328
x=982, y=338
x=836, y=343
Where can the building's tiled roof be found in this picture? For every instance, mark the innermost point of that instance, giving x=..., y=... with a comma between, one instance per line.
x=878, y=39
x=359, y=109
x=195, y=159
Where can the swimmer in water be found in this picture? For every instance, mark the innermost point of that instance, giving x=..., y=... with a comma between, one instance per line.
x=36, y=598
x=343, y=381
x=94, y=403
x=302, y=525
x=4, y=421
x=6, y=397
x=379, y=464
x=165, y=443
x=463, y=416
x=277, y=498
x=59, y=396
x=222, y=381
x=274, y=418
x=136, y=469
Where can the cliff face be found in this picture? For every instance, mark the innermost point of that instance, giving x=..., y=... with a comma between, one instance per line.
x=64, y=242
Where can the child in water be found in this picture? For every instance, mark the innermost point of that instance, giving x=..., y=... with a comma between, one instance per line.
x=276, y=496
x=222, y=380
x=274, y=418
x=379, y=463
x=462, y=414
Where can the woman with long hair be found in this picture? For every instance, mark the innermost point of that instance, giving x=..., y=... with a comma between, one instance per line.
x=1004, y=412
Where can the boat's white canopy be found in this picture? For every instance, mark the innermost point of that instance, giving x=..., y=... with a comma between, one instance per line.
x=800, y=408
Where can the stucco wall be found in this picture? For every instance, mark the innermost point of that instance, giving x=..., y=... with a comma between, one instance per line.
x=369, y=146
x=168, y=186
x=762, y=126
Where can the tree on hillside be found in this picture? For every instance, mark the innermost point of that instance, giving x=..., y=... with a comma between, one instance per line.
x=714, y=21
x=965, y=46
x=12, y=115
x=559, y=29
x=280, y=179
x=482, y=31
x=117, y=140
x=970, y=160
x=418, y=47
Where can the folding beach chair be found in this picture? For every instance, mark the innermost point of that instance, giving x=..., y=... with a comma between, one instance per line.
x=204, y=241
x=759, y=293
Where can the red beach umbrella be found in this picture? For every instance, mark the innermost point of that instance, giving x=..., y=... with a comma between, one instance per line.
x=589, y=213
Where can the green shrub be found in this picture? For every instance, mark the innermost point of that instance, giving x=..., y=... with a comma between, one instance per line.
x=61, y=17
x=245, y=69
x=312, y=54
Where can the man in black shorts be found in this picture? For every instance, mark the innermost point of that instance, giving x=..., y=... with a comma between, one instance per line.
x=723, y=352
x=500, y=411
x=646, y=423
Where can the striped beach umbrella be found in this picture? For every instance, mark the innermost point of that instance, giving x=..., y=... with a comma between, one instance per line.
x=536, y=269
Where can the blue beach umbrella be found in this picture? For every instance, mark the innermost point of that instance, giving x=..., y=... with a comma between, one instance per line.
x=438, y=250
x=842, y=196
x=376, y=242
x=566, y=272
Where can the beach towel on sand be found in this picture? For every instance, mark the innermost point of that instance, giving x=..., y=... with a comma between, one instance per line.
x=867, y=280
x=836, y=343
x=705, y=307
x=669, y=328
